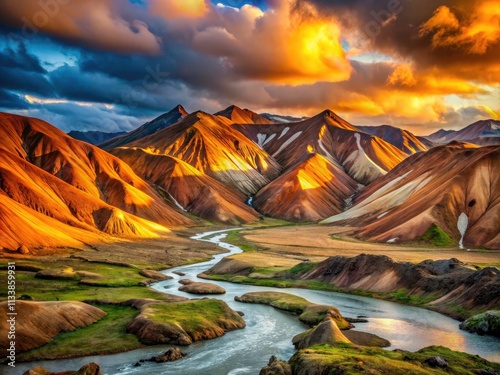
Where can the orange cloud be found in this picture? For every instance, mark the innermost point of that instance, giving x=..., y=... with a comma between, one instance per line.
x=173, y=9
x=475, y=33
x=288, y=44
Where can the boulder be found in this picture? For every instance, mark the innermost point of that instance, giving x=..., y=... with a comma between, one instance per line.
x=89, y=369
x=185, y=281
x=487, y=323
x=276, y=367
x=155, y=275
x=327, y=332
x=202, y=288
x=170, y=355
x=436, y=362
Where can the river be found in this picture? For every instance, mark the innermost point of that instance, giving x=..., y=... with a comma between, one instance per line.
x=269, y=331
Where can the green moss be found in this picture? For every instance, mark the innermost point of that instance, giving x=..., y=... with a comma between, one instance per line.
x=193, y=316
x=234, y=238
x=437, y=237
x=349, y=359
x=309, y=313
x=72, y=290
x=108, y=335
x=302, y=268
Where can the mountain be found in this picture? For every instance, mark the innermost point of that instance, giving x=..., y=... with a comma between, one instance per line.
x=242, y=116
x=402, y=139
x=211, y=145
x=55, y=190
x=362, y=156
x=482, y=133
x=280, y=119
x=311, y=190
x=192, y=190
x=449, y=188
x=173, y=116
x=93, y=137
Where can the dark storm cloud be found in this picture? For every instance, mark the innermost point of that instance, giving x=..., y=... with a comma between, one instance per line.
x=20, y=59
x=9, y=100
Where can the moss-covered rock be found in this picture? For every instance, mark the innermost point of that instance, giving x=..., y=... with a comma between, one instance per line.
x=349, y=359
x=308, y=312
x=487, y=323
x=182, y=323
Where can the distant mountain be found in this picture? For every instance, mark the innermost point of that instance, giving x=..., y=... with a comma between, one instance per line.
x=454, y=187
x=242, y=116
x=93, y=137
x=191, y=190
x=213, y=146
x=311, y=190
x=483, y=133
x=362, y=156
x=277, y=119
x=55, y=190
x=161, y=122
x=402, y=139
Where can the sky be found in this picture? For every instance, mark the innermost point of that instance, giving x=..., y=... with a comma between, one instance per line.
x=111, y=65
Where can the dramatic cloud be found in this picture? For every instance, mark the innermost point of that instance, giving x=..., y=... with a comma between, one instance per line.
x=422, y=64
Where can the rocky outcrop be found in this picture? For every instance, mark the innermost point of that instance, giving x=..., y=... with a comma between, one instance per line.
x=154, y=275
x=202, y=288
x=308, y=312
x=170, y=355
x=346, y=359
x=487, y=323
x=182, y=323
x=38, y=323
x=89, y=369
x=325, y=333
x=276, y=367
x=448, y=281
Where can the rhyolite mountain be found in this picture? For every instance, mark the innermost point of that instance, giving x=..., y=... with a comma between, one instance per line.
x=362, y=156
x=453, y=188
x=243, y=116
x=211, y=145
x=192, y=190
x=482, y=133
x=55, y=190
x=402, y=139
x=161, y=122
x=64, y=191
x=311, y=190
x=93, y=137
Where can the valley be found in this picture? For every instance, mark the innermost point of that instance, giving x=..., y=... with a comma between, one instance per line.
x=317, y=207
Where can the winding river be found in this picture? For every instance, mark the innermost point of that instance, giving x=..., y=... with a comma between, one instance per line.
x=269, y=331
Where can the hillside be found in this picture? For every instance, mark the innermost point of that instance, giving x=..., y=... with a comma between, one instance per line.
x=56, y=190
x=454, y=187
x=211, y=145
x=161, y=122
x=402, y=139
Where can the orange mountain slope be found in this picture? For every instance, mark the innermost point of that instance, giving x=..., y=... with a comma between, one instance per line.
x=363, y=157
x=192, y=190
x=309, y=191
x=456, y=187
x=243, y=116
x=80, y=190
x=210, y=144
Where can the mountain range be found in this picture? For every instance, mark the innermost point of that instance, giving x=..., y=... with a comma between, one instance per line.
x=236, y=166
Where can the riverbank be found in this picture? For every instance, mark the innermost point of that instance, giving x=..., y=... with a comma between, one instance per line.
x=193, y=270
x=446, y=285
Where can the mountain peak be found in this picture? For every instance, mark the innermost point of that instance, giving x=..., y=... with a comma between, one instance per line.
x=180, y=109
x=242, y=116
